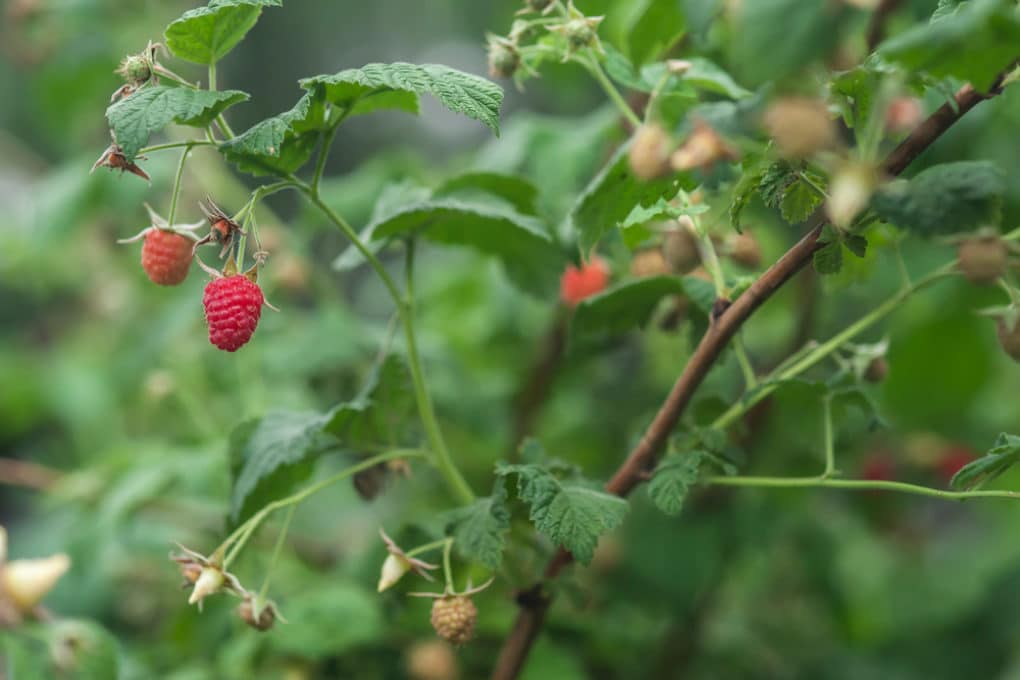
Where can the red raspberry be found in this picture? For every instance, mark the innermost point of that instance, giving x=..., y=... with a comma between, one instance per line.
x=233, y=306
x=578, y=284
x=166, y=256
x=453, y=617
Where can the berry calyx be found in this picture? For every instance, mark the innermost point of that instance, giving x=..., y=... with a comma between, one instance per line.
x=166, y=256
x=233, y=305
x=589, y=279
x=983, y=260
x=453, y=618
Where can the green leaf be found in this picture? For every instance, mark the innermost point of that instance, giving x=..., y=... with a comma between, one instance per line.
x=946, y=198
x=93, y=651
x=619, y=68
x=856, y=244
x=380, y=413
x=517, y=191
x=975, y=43
x=570, y=514
x=281, y=144
x=743, y=192
x=801, y=198
x=651, y=27
x=776, y=38
x=479, y=530
x=205, y=34
x=398, y=85
x=786, y=187
x=133, y=118
x=519, y=241
x=829, y=260
x=623, y=307
x=312, y=631
x=673, y=479
x=612, y=194
x=1004, y=455
x=708, y=76
x=269, y=456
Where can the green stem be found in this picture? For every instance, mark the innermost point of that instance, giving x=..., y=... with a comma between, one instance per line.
x=442, y=459
x=220, y=120
x=596, y=71
x=326, y=138
x=447, y=571
x=175, y=145
x=280, y=540
x=830, y=439
x=241, y=535
x=740, y=351
x=857, y=484
x=819, y=352
x=428, y=546
x=175, y=194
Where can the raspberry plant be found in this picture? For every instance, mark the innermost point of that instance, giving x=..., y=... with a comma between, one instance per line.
x=737, y=150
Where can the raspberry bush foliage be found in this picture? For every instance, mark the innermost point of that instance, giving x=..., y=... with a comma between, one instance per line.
x=600, y=338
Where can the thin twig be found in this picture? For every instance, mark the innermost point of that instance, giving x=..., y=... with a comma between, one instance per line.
x=644, y=456
x=876, y=27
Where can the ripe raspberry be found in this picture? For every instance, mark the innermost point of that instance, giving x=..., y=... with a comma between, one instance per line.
x=983, y=260
x=453, y=617
x=233, y=306
x=166, y=256
x=578, y=284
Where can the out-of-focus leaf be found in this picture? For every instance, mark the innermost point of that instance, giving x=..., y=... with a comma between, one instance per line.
x=515, y=190
x=519, y=241
x=945, y=46
x=612, y=194
x=946, y=198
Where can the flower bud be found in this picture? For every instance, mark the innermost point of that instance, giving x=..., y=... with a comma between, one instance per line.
x=209, y=582
x=983, y=259
x=648, y=262
x=702, y=149
x=432, y=660
x=503, y=57
x=679, y=247
x=26, y=582
x=393, y=569
x=649, y=152
x=800, y=126
x=849, y=193
x=903, y=114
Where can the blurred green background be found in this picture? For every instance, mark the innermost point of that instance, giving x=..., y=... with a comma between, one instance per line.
x=110, y=383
